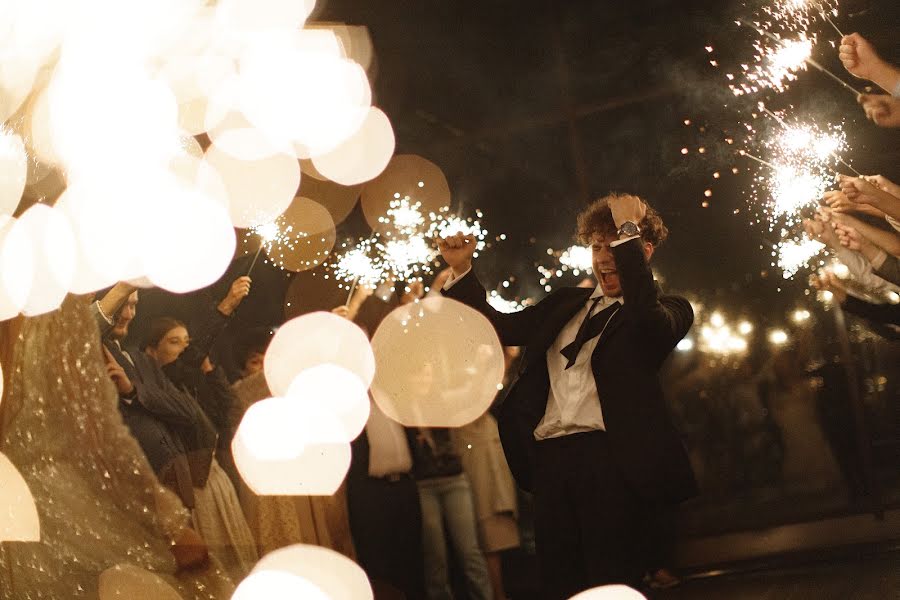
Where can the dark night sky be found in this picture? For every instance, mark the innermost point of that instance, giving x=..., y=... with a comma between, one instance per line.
x=531, y=108
x=484, y=89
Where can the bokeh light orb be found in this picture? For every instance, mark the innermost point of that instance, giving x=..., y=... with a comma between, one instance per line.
x=362, y=156
x=336, y=390
x=189, y=242
x=315, y=339
x=125, y=582
x=439, y=363
x=261, y=186
x=277, y=585
x=336, y=575
x=13, y=171
x=338, y=199
x=610, y=592
x=16, y=267
x=268, y=429
x=19, y=520
x=406, y=175
x=53, y=252
x=306, y=236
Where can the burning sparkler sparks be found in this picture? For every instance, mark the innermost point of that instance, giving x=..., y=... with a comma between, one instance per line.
x=576, y=260
x=506, y=306
x=794, y=255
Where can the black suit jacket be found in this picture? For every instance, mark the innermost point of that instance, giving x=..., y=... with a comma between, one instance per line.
x=626, y=362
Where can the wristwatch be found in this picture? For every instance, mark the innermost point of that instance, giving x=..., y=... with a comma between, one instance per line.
x=628, y=228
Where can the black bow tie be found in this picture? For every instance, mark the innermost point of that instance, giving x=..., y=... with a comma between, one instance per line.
x=590, y=328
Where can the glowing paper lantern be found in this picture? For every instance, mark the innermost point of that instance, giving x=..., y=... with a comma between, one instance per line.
x=13, y=171
x=337, y=391
x=315, y=339
x=610, y=592
x=363, y=155
x=128, y=581
x=333, y=573
x=18, y=514
x=287, y=447
x=53, y=251
x=259, y=189
x=406, y=175
x=16, y=267
x=439, y=364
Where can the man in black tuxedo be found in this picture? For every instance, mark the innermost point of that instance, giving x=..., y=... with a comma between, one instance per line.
x=585, y=426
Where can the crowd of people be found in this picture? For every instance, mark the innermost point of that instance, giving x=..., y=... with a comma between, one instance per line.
x=127, y=447
x=860, y=220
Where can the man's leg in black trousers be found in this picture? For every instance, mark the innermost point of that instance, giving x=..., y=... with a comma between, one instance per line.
x=556, y=530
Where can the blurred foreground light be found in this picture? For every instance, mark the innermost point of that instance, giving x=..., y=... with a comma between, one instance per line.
x=18, y=514
x=800, y=316
x=840, y=270
x=285, y=447
x=253, y=17
x=406, y=175
x=778, y=337
x=893, y=297
x=335, y=390
x=188, y=243
x=277, y=585
x=716, y=319
x=16, y=267
x=438, y=364
x=260, y=185
x=315, y=339
x=339, y=200
x=306, y=236
x=129, y=581
x=13, y=171
x=362, y=156
x=53, y=251
x=610, y=592
x=745, y=327
x=329, y=572
x=685, y=345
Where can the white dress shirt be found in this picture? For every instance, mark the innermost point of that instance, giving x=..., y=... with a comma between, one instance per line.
x=573, y=404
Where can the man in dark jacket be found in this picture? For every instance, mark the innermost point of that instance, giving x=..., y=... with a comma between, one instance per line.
x=585, y=426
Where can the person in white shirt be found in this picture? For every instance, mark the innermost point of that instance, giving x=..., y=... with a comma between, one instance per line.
x=585, y=425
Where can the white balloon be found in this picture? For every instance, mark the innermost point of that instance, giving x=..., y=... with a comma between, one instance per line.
x=610, y=592
x=19, y=520
x=286, y=447
x=276, y=585
x=16, y=267
x=438, y=364
x=314, y=339
x=336, y=390
x=53, y=249
x=13, y=171
x=336, y=575
x=362, y=156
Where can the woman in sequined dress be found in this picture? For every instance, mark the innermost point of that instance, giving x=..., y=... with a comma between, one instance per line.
x=98, y=500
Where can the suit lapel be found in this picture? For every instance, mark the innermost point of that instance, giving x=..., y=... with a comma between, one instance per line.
x=561, y=314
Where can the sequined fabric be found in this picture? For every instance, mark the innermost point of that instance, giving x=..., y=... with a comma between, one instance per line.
x=97, y=497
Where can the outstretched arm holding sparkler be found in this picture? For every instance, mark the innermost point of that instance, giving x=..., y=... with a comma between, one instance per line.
x=838, y=202
x=861, y=60
x=888, y=240
x=881, y=109
x=875, y=191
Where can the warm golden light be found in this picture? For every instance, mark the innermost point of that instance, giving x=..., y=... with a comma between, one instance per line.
x=338, y=577
x=337, y=391
x=610, y=592
x=129, y=581
x=18, y=514
x=438, y=364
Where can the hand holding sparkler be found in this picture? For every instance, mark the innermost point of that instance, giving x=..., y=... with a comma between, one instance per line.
x=827, y=281
x=457, y=251
x=872, y=191
x=881, y=109
x=861, y=60
x=240, y=289
x=839, y=203
x=821, y=230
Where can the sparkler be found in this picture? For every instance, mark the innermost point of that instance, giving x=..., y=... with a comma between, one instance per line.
x=785, y=60
x=506, y=306
x=796, y=254
x=575, y=259
x=268, y=234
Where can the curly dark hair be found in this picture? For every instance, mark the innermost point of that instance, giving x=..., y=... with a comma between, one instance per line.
x=597, y=218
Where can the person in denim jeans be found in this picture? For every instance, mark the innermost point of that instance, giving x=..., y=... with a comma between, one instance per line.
x=446, y=501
